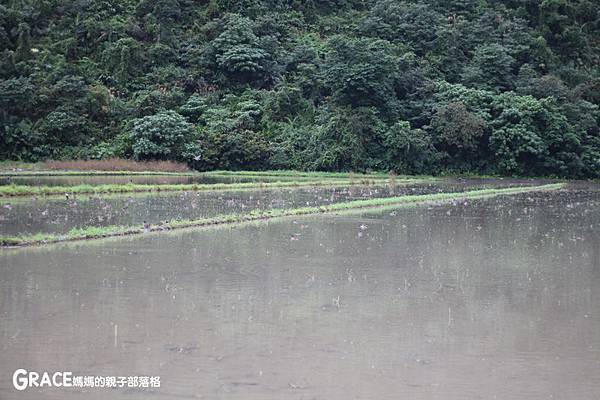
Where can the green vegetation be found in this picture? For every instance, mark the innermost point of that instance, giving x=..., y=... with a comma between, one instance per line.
x=101, y=232
x=418, y=87
x=24, y=190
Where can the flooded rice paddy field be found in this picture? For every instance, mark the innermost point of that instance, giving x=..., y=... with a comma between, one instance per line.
x=494, y=298
x=73, y=180
x=59, y=215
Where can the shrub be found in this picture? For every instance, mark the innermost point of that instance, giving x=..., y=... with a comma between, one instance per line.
x=161, y=136
x=408, y=150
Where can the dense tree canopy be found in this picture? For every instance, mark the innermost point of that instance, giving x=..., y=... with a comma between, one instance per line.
x=501, y=87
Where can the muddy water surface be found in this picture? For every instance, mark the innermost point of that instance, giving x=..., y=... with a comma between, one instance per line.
x=56, y=214
x=60, y=215
x=483, y=299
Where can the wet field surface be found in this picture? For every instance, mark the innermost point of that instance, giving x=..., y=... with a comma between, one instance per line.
x=484, y=299
x=59, y=215
x=72, y=180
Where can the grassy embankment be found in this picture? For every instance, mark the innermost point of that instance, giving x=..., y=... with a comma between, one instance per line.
x=111, y=231
x=26, y=190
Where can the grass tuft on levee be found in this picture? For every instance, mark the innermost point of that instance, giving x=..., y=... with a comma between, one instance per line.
x=113, y=231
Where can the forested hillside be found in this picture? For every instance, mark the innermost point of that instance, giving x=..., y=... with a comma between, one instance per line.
x=490, y=86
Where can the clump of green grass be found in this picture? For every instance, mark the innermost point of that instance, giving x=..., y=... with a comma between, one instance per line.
x=109, y=231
